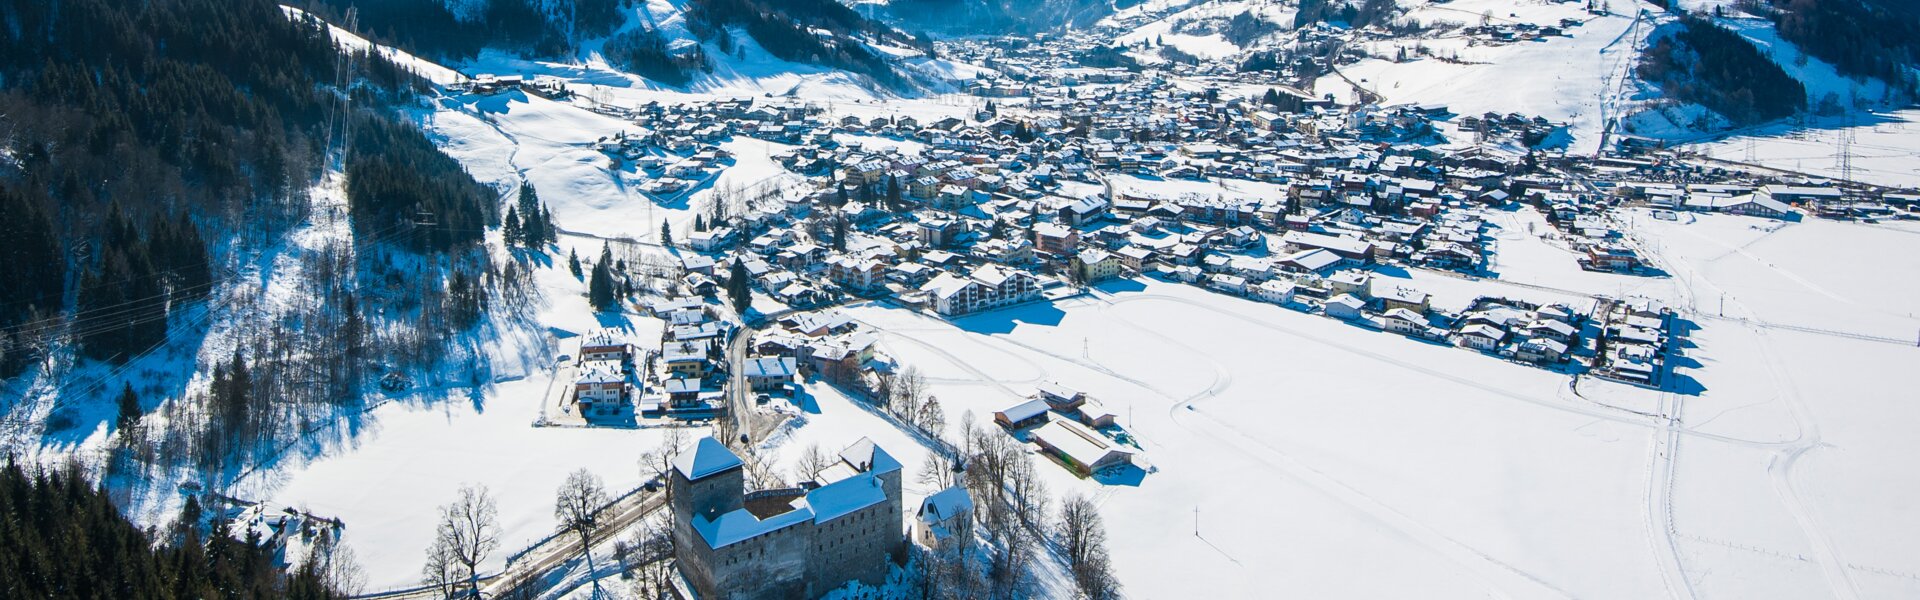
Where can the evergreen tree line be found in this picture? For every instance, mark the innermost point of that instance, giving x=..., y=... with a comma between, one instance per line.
x=428, y=28
x=63, y=538
x=143, y=277
x=397, y=181
x=785, y=29
x=1861, y=38
x=1355, y=13
x=1706, y=64
x=643, y=51
x=34, y=269
x=529, y=223
x=1246, y=28
x=973, y=17
x=123, y=112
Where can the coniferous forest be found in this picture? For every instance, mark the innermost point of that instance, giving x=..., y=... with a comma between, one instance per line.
x=64, y=538
x=135, y=129
x=1876, y=38
x=429, y=28
x=785, y=29
x=154, y=157
x=1706, y=64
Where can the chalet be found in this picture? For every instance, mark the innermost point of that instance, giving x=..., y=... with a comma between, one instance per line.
x=1393, y=295
x=599, y=391
x=1095, y=265
x=1344, y=306
x=1540, y=350
x=1272, y=291
x=685, y=359
x=1480, y=336
x=1055, y=239
x=1404, y=322
x=1315, y=261
x=1348, y=248
x=604, y=345
x=769, y=373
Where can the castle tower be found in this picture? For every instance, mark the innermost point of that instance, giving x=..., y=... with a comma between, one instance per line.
x=707, y=481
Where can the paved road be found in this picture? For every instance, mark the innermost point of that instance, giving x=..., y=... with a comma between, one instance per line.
x=537, y=562
x=557, y=551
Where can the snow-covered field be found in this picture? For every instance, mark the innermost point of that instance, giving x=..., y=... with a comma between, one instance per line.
x=1884, y=145
x=409, y=459
x=1344, y=462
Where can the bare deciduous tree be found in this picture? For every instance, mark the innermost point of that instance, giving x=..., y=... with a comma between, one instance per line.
x=1083, y=539
x=469, y=530
x=337, y=565
x=933, y=418
x=909, y=392
x=659, y=462
x=577, y=507
x=936, y=471
x=812, y=461
x=440, y=572
x=652, y=565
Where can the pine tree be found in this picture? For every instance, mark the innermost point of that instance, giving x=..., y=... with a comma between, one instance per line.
x=573, y=263
x=600, y=288
x=839, y=234
x=737, y=287
x=129, y=409
x=666, y=234
x=512, y=229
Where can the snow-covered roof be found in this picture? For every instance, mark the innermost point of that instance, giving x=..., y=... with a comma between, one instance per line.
x=1314, y=260
x=945, y=285
x=1348, y=301
x=837, y=499
x=1024, y=410
x=707, y=457
x=1077, y=442
x=739, y=525
x=769, y=366
x=866, y=456
x=946, y=504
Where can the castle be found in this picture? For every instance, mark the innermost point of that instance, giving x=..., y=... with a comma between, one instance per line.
x=784, y=543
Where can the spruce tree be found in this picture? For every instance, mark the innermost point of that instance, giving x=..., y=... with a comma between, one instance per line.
x=666, y=234
x=600, y=288
x=129, y=409
x=737, y=287
x=513, y=231
x=573, y=263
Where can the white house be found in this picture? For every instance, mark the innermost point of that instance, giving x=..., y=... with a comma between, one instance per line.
x=942, y=516
x=1480, y=336
x=988, y=287
x=1344, y=306
x=1274, y=291
x=769, y=372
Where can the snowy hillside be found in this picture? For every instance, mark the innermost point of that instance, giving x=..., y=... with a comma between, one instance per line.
x=1559, y=60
